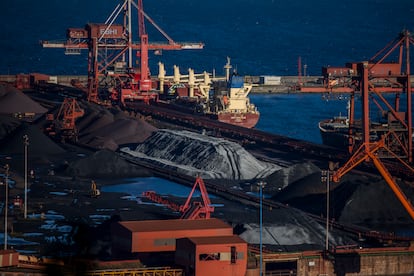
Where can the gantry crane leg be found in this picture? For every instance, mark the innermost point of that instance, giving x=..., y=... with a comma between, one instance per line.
x=368, y=151
x=393, y=185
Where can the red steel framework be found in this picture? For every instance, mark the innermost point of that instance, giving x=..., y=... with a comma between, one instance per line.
x=65, y=121
x=112, y=50
x=396, y=135
x=189, y=210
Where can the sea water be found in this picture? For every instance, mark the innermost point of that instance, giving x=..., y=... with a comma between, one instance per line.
x=263, y=37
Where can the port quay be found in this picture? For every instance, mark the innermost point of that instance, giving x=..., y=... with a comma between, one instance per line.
x=261, y=84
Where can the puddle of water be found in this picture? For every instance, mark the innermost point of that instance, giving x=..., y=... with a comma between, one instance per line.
x=136, y=186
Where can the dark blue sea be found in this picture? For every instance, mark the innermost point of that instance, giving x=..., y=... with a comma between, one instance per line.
x=262, y=37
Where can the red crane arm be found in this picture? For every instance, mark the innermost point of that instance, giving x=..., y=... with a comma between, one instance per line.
x=369, y=153
x=206, y=200
x=196, y=210
x=393, y=185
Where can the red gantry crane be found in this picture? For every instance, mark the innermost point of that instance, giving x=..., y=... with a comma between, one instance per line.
x=112, y=51
x=393, y=138
x=189, y=210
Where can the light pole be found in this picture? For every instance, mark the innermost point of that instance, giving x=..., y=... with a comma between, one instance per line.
x=6, y=207
x=261, y=185
x=326, y=177
x=327, y=211
x=26, y=144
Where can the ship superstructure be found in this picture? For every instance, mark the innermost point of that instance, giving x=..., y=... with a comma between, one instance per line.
x=225, y=99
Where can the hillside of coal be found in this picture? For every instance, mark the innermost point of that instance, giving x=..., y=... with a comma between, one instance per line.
x=195, y=154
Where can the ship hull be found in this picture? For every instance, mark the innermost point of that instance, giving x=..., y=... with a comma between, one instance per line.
x=247, y=120
x=334, y=132
x=334, y=139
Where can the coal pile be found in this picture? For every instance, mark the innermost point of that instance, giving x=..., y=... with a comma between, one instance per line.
x=101, y=128
x=14, y=125
x=107, y=128
x=14, y=101
x=366, y=201
x=105, y=164
x=197, y=154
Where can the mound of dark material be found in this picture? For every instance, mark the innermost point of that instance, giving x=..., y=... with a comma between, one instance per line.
x=8, y=124
x=358, y=200
x=279, y=182
x=104, y=128
x=39, y=143
x=104, y=164
x=374, y=203
x=196, y=154
x=14, y=101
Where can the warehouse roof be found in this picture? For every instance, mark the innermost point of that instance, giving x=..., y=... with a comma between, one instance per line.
x=174, y=224
x=217, y=240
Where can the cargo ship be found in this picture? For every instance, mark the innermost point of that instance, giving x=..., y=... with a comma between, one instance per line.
x=224, y=100
x=337, y=131
x=232, y=104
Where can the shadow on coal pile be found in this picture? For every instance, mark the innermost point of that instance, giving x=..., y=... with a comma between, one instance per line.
x=357, y=200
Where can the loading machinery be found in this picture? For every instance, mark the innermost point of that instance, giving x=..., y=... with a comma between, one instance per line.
x=190, y=209
x=113, y=51
x=63, y=126
x=393, y=137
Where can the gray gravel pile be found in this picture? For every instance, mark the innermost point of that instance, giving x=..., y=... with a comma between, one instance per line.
x=196, y=154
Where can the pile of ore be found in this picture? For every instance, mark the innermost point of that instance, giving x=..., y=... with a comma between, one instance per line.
x=197, y=154
x=100, y=127
x=105, y=164
x=107, y=128
x=16, y=111
x=13, y=102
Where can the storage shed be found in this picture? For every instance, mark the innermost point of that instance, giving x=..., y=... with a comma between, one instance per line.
x=161, y=235
x=223, y=255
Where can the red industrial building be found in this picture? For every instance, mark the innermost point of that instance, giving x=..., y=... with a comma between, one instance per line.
x=9, y=258
x=161, y=235
x=205, y=256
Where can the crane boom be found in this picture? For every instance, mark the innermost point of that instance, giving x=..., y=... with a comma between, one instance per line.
x=189, y=210
x=113, y=50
